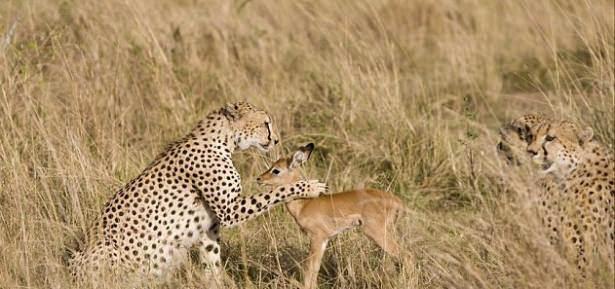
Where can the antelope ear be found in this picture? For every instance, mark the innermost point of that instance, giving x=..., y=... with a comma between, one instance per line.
x=307, y=149
x=299, y=157
x=585, y=135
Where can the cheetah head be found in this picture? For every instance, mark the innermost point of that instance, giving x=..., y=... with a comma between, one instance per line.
x=251, y=126
x=559, y=147
x=516, y=135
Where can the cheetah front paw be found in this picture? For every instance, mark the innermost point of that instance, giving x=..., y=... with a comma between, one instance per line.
x=314, y=189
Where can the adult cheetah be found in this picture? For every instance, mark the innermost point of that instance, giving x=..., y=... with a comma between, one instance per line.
x=585, y=173
x=515, y=137
x=180, y=201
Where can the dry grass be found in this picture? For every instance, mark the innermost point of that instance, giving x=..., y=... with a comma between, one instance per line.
x=400, y=95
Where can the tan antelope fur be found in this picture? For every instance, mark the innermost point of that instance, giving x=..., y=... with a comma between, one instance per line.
x=373, y=211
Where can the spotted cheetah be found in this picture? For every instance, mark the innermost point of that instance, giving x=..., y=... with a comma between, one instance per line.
x=181, y=200
x=516, y=135
x=514, y=140
x=585, y=173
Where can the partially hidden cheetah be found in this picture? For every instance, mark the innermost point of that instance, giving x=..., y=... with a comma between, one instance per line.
x=584, y=171
x=515, y=137
x=181, y=200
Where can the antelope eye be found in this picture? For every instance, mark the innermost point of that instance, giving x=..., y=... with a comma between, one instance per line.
x=549, y=138
x=275, y=172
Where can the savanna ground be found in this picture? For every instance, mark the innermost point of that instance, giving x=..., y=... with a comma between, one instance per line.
x=405, y=96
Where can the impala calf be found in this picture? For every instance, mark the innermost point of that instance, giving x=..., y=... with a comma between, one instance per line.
x=321, y=218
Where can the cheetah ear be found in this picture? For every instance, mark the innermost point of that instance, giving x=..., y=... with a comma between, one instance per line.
x=231, y=111
x=585, y=135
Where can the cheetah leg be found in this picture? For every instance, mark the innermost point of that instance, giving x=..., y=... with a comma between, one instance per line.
x=249, y=207
x=574, y=243
x=209, y=251
x=552, y=229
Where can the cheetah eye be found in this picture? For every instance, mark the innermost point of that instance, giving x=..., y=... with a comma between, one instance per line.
x=529, y=138
x=549, y=138
x=521, y=133
x=275, y=172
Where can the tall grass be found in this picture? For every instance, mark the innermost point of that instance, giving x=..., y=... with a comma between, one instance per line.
x=400, y=95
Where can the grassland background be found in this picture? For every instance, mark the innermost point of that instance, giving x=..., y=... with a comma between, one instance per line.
x=399, y=95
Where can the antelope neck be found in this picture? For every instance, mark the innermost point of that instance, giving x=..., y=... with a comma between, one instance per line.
x=295, y=206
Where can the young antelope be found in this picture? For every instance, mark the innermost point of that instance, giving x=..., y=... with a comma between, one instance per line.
x=321, y=218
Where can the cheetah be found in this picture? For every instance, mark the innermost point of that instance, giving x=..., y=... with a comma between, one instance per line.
x=515, y=137
x=585, y=173
x=181, y=200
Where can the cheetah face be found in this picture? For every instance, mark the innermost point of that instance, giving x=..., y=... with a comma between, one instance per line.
x=515, y=136
x=557, y=158
x=251, y=126
x=255, y=130
x=558, y=148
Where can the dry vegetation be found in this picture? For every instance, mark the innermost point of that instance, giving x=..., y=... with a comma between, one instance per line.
x=399, y=95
